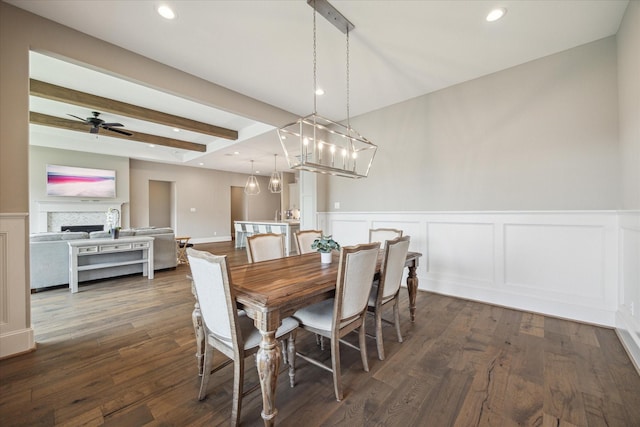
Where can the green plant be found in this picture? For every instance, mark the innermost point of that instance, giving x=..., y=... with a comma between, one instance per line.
x=325, y=244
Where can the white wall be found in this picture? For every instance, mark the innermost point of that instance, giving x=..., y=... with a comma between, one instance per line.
x=539, y=136
x=628, y=316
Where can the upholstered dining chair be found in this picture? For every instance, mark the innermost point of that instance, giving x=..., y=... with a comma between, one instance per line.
x=383, y=234
x=386, y=290
x=305, y=238
x=336, y=317
x=263, y=247
x=227, y=330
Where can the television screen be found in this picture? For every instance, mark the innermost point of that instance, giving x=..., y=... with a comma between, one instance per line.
x=80, y=182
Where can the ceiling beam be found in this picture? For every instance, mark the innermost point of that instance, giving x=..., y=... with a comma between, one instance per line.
x=70, y=96
x=75, y=125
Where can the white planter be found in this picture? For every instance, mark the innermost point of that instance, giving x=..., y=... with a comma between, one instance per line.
x=325, y=257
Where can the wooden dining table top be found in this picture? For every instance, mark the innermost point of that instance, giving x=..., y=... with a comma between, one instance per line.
x=286, y=284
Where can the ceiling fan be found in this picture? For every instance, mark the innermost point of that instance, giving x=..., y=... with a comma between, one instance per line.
x=96, y=123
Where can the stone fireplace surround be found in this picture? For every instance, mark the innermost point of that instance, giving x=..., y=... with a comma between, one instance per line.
x=54, y=214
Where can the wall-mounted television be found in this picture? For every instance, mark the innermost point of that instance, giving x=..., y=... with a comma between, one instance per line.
x=72, y=181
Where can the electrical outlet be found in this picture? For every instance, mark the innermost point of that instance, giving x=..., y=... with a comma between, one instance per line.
x=336, y=205
x=632, y=309
x=215, y=233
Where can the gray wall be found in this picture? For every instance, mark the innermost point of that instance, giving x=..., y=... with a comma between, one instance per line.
x=208, y=191
x=629, y=105
x=40, y=157
x=539, y=136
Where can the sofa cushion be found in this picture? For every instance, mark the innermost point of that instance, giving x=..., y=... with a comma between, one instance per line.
x=148, y=231
x=62, y=235
x=107, y=235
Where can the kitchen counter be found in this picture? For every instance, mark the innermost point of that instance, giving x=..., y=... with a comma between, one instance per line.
x=288, y=227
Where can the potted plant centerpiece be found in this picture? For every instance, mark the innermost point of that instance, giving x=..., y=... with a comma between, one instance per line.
x=324, y=245
x=113, y=219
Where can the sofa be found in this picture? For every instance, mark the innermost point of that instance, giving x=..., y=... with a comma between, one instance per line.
x=49, y=252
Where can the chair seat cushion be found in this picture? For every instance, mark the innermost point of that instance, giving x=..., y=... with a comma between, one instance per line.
x=252, y=335
x=373, y=295
x=318, y=316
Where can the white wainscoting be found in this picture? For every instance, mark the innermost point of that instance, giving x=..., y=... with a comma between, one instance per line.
x=628, y=314
x=563, y=264
x=16, y=334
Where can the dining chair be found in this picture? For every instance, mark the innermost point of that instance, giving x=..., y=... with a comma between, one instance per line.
x=230, y=332
x=263, y=247
x=336, y=317
x=386, y=290
x=383, y=234
x=305, y=238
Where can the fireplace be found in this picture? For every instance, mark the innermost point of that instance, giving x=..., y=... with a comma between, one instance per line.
x=54, y=215
x=87, y=228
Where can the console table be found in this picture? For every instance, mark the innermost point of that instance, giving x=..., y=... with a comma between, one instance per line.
x=92, y=254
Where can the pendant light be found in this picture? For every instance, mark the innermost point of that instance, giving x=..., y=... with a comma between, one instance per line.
x=275, y=183
x=252, y=187
x=317, y=144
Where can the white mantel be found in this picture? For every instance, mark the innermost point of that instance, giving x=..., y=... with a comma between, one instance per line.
x=78, y=212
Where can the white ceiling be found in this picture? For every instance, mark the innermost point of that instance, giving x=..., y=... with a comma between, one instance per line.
x=263, y=49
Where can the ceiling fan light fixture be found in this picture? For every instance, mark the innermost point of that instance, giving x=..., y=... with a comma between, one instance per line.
x=166, y=12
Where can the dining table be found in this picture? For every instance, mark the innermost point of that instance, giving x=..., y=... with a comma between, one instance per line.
x=269, y=291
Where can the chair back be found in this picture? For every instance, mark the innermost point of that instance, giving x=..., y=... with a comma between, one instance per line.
x=215, y=296
x=395, y=255
x=263, y=247
x=305, y=238
x=383, y=234
x=355, y=277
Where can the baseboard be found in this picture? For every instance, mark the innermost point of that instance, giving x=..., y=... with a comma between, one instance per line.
x=17, y=342
x=629, y=339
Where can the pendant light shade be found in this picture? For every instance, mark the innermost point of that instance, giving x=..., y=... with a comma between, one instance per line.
x=252, y=187
x=275, y=183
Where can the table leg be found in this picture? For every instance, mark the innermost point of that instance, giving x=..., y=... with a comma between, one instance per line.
x=268, y=364
x=412, y=287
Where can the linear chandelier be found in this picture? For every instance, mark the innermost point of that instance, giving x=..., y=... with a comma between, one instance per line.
x=317, y=144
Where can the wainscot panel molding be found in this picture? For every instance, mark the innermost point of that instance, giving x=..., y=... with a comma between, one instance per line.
x=16, y=334
x=558, y=263
x=628, y=314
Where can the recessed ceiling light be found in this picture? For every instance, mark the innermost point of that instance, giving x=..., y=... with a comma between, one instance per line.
x=496, y=14
x=201, y=164
x=151, y=145
x=176, y=130
x=236, y=152
x=166, y=12
x=319, y=91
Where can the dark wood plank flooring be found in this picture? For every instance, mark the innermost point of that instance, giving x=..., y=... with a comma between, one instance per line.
x=121, y=353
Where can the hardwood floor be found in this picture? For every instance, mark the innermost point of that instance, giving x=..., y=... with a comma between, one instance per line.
x=121, y=352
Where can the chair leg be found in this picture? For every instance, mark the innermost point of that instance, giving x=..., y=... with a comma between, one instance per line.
x=335, y=364
x=208, y=362
x=285, y=357
x=363, y=344
x=292, y=358
x=379, y=342
x=238, y=381
x=396, y=314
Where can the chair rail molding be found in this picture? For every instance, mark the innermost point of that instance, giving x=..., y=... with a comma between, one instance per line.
x=16, y=333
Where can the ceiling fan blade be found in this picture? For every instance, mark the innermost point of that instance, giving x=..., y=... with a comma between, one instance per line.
x=118, y=131
x=79, y=118
x=111, y=124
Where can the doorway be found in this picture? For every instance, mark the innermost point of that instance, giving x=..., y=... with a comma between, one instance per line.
x=160, y=204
